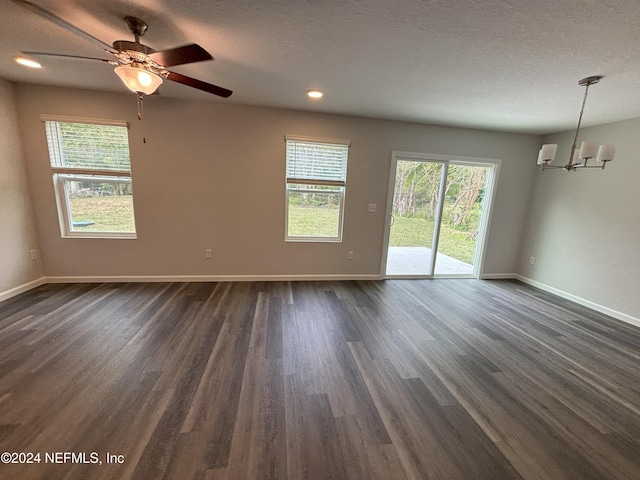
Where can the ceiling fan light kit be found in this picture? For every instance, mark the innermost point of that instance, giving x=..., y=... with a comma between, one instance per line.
x=137, y=79
x=578, y=158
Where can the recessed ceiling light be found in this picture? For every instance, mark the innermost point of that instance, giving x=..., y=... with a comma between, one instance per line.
x=27, y=62
x=314, y=93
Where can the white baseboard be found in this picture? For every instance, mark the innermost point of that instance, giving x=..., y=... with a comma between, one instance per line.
x=586, y=303
x=22, y=288
x=208, y=278
x=497, y=276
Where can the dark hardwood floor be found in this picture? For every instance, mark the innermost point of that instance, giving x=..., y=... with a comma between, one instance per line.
x=434, y=379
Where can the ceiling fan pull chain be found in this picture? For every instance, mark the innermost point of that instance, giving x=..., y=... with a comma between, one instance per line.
x=139, y=98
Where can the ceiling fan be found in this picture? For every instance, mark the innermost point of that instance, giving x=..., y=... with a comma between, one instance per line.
x=141, y=68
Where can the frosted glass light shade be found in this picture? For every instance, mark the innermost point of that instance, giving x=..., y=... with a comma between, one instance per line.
x=588, y=150
x=606, y=153
x=576, y=158
x=547, y=153
x=138, y=80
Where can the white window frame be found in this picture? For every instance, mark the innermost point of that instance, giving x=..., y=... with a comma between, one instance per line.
x=340, y=190
x=62, y=174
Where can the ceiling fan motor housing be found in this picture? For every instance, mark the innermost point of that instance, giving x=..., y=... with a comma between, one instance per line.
x=125, y=45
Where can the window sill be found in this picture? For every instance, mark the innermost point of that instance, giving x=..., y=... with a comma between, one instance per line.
x=101, y=235
x=313, y=239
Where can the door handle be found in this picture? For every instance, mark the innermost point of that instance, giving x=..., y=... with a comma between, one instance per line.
x=393, y=220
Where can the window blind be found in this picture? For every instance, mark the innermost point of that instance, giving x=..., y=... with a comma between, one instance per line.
x=316, y=163
x=88, y=146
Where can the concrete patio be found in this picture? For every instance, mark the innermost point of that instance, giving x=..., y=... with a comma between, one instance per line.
x=415, y=261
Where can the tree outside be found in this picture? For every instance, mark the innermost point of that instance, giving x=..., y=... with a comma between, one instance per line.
x=416, y=199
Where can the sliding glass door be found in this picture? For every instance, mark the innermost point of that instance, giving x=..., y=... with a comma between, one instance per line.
x=438, y=209
x=461, y=214
x=412, y=229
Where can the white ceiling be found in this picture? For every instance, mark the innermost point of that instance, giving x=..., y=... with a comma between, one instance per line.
x=509, y=65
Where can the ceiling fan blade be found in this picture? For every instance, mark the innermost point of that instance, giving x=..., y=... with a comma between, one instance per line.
x=200, y=85
x=64, y=24
x=46, y=54
x=181, y=55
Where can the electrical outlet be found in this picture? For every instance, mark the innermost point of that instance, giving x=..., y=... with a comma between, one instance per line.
x=34, y=254
x=208, y=254
x=372, y=208
x=350, y=255
x=532, y=260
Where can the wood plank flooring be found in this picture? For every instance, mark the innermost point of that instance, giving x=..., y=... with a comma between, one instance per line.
x=433, y=379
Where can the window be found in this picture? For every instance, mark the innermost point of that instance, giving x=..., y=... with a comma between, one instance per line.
x=316, y=181
x=92, y=176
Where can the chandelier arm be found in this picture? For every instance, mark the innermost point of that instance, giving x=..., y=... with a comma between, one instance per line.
x=593, y=166
x=546, y=166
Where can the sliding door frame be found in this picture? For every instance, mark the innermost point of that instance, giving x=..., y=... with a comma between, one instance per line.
x=485, y=220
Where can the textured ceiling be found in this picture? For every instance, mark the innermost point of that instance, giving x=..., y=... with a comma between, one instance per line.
x=508, y=65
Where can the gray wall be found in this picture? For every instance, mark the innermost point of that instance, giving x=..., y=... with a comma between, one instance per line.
x=584, y=227
x=211, y=175
x=17, y=227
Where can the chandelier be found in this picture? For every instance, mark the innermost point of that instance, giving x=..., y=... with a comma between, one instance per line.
x=588, y=150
